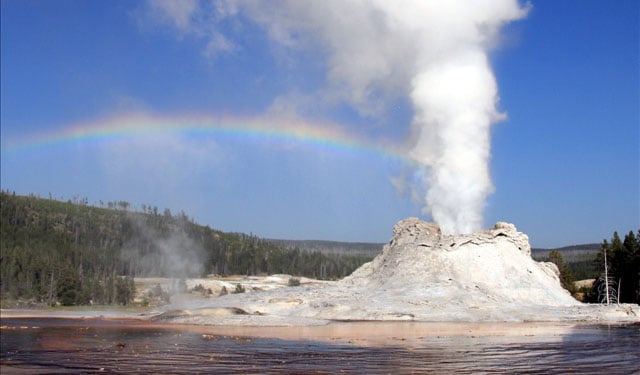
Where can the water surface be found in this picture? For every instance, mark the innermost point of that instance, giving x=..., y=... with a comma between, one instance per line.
x=68, y=346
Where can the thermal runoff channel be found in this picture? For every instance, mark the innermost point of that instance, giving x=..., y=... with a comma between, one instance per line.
x=435, y=53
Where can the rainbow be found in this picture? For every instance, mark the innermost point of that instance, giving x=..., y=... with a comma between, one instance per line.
x=323, y=137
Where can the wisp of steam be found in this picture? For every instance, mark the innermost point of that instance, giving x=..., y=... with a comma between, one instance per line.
x=433, y=52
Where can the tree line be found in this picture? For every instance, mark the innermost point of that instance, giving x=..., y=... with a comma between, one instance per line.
x=622, y=269
x=74, y=253
x=619, y=276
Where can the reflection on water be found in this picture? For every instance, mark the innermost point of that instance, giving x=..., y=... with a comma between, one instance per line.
x=95, y=346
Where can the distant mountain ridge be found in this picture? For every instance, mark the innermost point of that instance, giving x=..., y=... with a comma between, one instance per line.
x=569, y=253
x=579, y=258
x=332, y=247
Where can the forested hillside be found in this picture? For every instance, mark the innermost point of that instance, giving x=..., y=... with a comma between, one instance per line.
x=579, y=259
x=74, y=253
x=334, y=247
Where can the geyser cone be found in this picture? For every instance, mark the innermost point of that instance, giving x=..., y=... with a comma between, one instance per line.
x=493, y=266
x=425, y=275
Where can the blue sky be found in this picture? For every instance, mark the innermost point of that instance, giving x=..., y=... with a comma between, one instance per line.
x=565, y=163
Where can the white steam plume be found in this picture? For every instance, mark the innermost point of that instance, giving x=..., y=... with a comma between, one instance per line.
x=433, y=52
x=455, y=104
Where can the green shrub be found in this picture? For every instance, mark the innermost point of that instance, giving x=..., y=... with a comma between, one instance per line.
x=198, y=288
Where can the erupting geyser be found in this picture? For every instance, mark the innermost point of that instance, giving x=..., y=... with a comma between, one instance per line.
x=434, y=53
x=431, y=51
x=422, y=275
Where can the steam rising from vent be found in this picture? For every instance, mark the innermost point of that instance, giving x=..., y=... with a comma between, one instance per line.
x=167, y=252
x=455, y=104
x=433, y=52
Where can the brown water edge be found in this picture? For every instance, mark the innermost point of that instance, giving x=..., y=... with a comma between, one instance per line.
x=386, y=333
x=361, y=333
x=125, y=345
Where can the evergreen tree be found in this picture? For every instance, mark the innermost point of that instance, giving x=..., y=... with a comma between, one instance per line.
x=567, y=279
x=125, y=290
x=623, y=267
x=73, y=253
x=67, y=287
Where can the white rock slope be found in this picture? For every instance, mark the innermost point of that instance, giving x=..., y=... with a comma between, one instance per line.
x=423, y=275
x=494, y=266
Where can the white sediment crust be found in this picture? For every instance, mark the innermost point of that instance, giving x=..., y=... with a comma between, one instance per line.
x=421, y=275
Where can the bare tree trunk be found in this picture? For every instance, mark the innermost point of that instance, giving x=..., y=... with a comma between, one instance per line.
x=51, y=289
x=606, y=275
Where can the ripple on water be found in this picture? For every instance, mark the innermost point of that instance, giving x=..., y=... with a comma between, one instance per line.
x=94, y=346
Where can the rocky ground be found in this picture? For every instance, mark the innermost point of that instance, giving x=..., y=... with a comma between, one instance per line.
x=421, y=275
x=149, y=290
